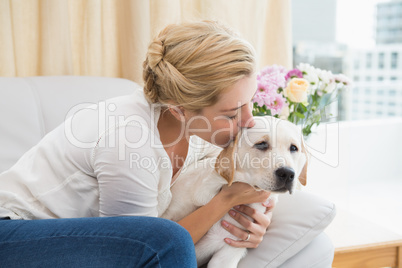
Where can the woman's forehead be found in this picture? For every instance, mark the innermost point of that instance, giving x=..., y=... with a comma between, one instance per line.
x=237, y=95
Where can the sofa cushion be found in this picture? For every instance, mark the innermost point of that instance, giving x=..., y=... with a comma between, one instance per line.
x=30, y=107
x=21, y=124
x=58, y=94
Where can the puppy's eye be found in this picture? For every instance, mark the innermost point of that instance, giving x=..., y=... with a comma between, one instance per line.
x=263, y=146
x=293, y=148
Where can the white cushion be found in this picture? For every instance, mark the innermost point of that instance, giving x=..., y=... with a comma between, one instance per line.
x=297, y=219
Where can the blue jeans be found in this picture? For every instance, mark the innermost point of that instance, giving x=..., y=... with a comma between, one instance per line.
x=95, y=242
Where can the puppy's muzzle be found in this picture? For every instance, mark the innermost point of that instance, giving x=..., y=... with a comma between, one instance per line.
x=285, y=177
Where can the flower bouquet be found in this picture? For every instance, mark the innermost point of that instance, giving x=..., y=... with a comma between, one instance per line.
x=299, y=95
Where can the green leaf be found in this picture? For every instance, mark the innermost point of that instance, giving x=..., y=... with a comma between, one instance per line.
x=299, y=115
x=302, y=108
x=306, y=132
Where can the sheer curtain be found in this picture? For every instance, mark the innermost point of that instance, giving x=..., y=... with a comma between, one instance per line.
x=110, y=37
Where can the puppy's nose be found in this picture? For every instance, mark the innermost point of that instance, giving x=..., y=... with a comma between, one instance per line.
x=285, y=174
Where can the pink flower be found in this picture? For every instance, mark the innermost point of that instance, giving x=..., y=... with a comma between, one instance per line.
x=271, y=83
x=294, y=73
x=259, y=98
x=277, y=104
x=271, y=78
x=273, y=101
x=272, y=69
x=262, y=98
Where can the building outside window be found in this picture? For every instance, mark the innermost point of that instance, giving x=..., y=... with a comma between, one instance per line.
x=376, y=68
x=381, y=60
x=369, y=57
x=381, y=67
x=394, y=60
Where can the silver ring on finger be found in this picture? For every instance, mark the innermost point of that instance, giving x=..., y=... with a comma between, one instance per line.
x=248, y=236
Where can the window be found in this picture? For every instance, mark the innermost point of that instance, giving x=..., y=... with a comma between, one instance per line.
x=357, y=64
x=394, y=60
x=356, y=91
x=381, y=57
x=368, y=60
x=392, y=92
x=369, y=67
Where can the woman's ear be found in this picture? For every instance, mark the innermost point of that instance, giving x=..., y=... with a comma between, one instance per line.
x=178, y=112
x=225, y=163
x=303, y=174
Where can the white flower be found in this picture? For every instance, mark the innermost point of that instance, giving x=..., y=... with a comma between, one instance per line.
x=310, y=74
x=330, y=87
x=327, y=81
x=285, y=112
x=312, y=78
x=305, y=67
x=325, y=76
x=341, y=78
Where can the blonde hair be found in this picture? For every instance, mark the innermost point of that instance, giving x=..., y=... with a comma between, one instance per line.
x=190, y=64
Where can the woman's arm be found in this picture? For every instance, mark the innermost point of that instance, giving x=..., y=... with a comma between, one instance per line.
x=200, y=221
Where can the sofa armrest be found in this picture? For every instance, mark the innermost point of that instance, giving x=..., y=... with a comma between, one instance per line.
x=297, y=220
x=318, y=254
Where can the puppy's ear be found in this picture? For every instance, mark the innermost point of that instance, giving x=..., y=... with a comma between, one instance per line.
x=303, y=174
x=225, y=163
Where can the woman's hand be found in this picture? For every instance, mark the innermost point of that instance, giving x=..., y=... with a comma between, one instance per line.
x=256, y=228
x=242, y=193
x=201, y=220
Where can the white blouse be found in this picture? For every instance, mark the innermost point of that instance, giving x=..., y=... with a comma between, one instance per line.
x=104, y=160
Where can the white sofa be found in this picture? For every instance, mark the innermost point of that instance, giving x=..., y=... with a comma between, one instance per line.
x=31, y=107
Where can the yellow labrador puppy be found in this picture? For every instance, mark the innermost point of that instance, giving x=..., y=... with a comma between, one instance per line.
x=270, y=156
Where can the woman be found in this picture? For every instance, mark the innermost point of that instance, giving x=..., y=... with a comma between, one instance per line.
x=120, y=160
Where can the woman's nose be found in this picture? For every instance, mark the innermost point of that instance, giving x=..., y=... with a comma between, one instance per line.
x=247, y=120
